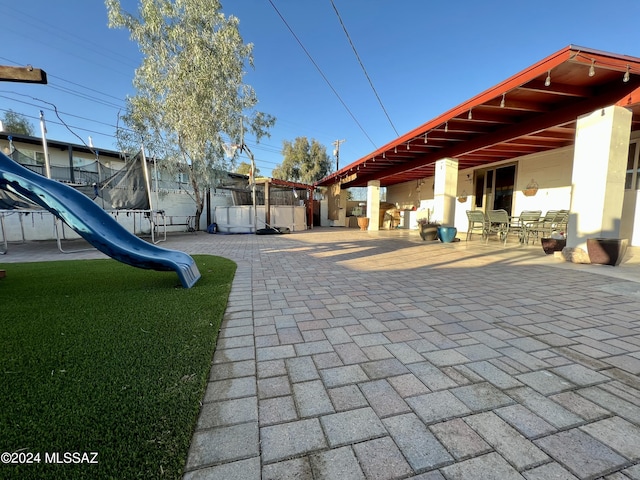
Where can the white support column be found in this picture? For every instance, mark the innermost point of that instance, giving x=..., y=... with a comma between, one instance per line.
x=599, y=168
x=445, y=188
x=342, y=213
x=373, y=204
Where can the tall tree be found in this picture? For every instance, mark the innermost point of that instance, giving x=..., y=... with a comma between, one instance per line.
x=303, y=161
x=17, y=123
x=191, y=100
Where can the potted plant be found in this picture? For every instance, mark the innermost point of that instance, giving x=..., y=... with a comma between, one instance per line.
x=607, y=251
x=447, y=234
x=554, y=243
x=428, y=227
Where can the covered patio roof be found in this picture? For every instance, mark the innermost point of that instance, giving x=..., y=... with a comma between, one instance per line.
x=533, y=111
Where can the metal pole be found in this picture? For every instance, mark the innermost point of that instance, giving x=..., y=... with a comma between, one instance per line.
x=99, y=185
x=253, y=187
x=252, y=179
x=43, y=129
x=47, y=169
x=147, y=182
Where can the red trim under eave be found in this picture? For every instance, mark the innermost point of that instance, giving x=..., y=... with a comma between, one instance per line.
x=515, y=81
x=512, y=82
x=571, y=52
x=632, y=99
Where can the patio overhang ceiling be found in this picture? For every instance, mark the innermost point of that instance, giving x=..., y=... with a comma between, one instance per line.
x=533, y=111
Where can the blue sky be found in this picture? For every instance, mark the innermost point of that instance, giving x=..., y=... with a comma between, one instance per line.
x=423, y=57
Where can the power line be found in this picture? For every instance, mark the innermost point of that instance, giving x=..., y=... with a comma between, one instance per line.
x=353, y=47
x=76, y=93
x=91, y=97
x=256, y=146
x=51, y=109
x=86, y=88
x=62, y=124
x=69, y=37
x=322, y=74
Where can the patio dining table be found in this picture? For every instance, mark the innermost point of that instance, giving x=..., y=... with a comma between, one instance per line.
x=499, y=222
x=524, y=223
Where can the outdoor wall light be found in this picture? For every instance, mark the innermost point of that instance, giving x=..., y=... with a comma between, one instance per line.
x=592, y=69
x=502, y=101
x=470, y=116
x=547, y=80
x=626, y=76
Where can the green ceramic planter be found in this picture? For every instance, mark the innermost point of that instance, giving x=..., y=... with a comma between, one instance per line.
x=447, y=234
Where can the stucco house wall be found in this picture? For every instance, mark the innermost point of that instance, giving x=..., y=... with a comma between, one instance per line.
x=550, y=170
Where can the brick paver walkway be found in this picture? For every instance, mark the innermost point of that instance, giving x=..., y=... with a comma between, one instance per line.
x=355, y=355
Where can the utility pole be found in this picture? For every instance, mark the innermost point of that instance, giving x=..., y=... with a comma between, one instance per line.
x=336, y=152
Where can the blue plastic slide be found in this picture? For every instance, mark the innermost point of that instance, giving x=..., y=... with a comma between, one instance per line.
x=94, y=224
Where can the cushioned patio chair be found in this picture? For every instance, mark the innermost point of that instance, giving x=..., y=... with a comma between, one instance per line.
x=477, y=223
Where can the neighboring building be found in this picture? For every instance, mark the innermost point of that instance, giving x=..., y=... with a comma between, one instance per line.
x=95, y=172
x=569, y=125
x=77, y=165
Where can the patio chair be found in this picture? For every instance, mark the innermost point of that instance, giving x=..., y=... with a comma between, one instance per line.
x=498, y=223
x=552, y=220
x=562, y=221
x=477, y=223
x=525, y=220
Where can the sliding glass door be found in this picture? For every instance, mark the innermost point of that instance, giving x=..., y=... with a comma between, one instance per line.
x=494, y=188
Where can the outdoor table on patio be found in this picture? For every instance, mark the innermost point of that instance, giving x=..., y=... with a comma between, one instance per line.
x=502, y=224
x=522, y=224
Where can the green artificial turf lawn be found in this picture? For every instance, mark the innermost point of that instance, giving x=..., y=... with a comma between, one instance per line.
x=98, y=356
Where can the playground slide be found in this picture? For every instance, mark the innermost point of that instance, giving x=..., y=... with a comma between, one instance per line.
x=94, y=224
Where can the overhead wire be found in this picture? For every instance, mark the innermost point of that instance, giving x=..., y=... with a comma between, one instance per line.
x=67, y=35
x=322, y=74
x=259, y=161
x=353, y=47
x=57, y=123
x=95, y=97
x=75, y=92
x=89, y=89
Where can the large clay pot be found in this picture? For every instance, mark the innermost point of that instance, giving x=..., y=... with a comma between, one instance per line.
x=363, y=223
x=428, y=232
x=607, y=251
